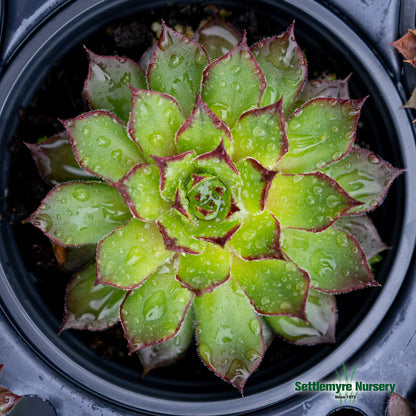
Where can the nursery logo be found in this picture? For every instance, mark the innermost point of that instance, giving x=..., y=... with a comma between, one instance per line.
x=346, y=389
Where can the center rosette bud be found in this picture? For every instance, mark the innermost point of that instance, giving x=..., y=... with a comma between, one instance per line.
x=209, y=198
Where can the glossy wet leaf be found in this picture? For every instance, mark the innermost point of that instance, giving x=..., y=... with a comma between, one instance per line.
x=283, y=65
x=55, y=160
x=107, y=86
x=365, y=176
x=362, y=229
x=204, y=271
x=203, y=131
x=275, y=287
x=167, y=352
x=256, y=181
x=333, y=259
x=260, y=134
x=331, y=88
x=217, y=37
x=102, y=145
x=153, y=123
x=130, y=254
x=230, y=340
x=176, y=67
x=233, y=84
x=154, y=312
x=78, y=213
x=321, y=131
x=257, y=238
x=399, y=406
x=307, y=201
x=173, y=171
x=140, y=188
x=319, y=326
x=90, y=306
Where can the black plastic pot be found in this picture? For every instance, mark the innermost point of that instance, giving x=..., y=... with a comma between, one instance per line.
x=376, y=329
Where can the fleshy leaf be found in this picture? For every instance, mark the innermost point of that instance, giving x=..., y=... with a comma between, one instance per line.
x=217, y=37
x=55, y=160
x=256, y=183
x=167, y=352
x=90, y=306
x=154, y=312
x=260, y=134
x=218, y=163
x=8, y=400
x=202, y=131
x=268, y=334
x=399, y=406
x=283, y=65
x=230, y=340
x=173, y=170
x=72, y=259
x=233, y=83
x=107, y=86
x=334, y=260
x=330, y=88
x=102, y=146
x=140, y=188
x=178, y=233
x=257, y=238
x=311, y=201
x=203, y=272
x=321, y=131
x=319, y=326
x=158, y=136
x=176, y=67
x=275, y=287
x=406, y=45
x=130, y=254
x=363, y=230
x=365, y=176
x=79, y=213
x=217, y=232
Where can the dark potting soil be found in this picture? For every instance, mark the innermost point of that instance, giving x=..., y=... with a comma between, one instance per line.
x=60, y=97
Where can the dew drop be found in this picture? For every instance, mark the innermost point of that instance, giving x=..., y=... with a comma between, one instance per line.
x=175, y=61
x=135, y=255
x=155, y=307
x=342, y=240
x=103, y=141
x=254, y=326
x=372, y=158
x=81, y=194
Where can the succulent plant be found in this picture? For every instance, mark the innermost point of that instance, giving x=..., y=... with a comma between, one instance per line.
x=222, y=193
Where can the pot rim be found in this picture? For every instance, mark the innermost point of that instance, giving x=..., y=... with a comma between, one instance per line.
x=70, y=20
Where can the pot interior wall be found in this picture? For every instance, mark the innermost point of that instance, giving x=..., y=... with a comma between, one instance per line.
x=38, y=283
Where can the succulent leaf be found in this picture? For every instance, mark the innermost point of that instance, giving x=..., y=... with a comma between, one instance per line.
x=284, y=67
x=72, y=259
x=176, y=67
x=107, y=86
x=90, y=306
x=217, y=37
x=167, y=352
x=399, y=406
x=260, y=134
x=130, y=254
x=203, y=131
x=79, y=213
x=319, y=132
x=203, y=272
x=256, y=183
x=233, y=84
x=8, y=400
x=275, y=287
x=140, y=188
x=363, y=230
x=317, y=328
x=102, y=145
x=333, y=259
x=154, y=312
x=257, y=238
x=331, y=88
x=230, y=340
x=311, y=201
x=156, y=138
x=365, y=176
x=55, y=160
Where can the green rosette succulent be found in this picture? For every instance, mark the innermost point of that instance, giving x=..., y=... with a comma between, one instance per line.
x=222, y=193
